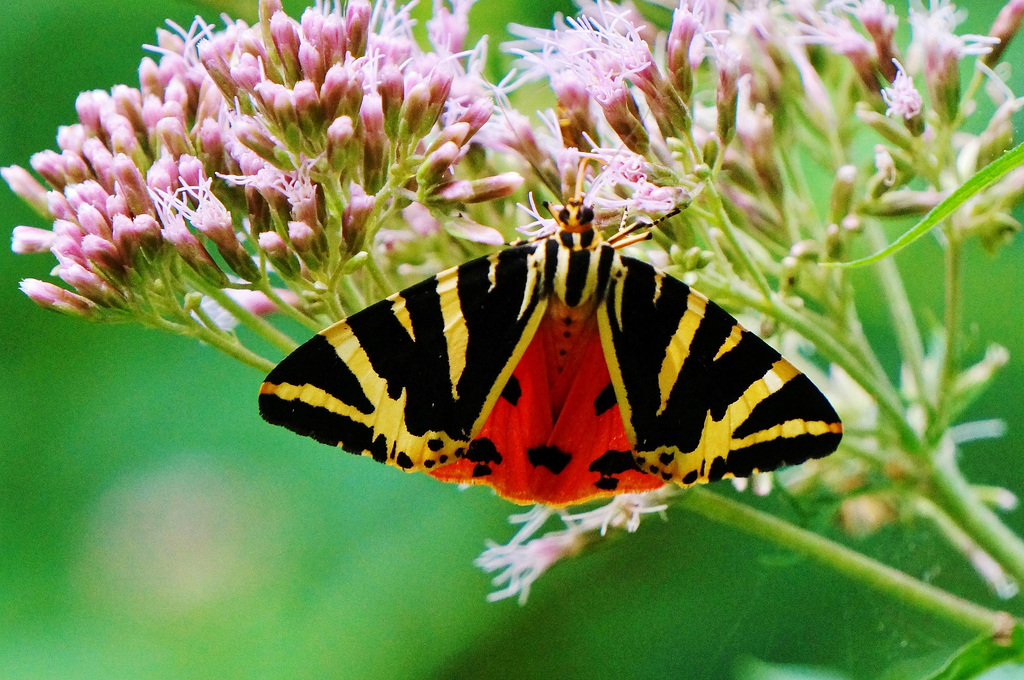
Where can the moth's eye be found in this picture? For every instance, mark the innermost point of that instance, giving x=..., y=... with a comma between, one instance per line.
x=563, y=215
x=586, y=215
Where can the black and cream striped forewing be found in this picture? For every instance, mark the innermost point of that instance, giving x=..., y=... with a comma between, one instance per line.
x=703, y=398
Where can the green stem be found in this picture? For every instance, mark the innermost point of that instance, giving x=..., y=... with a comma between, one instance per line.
x=879, y=576
x=907, y=334
x=286, y=309
x=951, y=323
x=378, y=276
x=952, y=493
x=225, y=343
x=718, y=208
x=961, y=540
x=250, y=320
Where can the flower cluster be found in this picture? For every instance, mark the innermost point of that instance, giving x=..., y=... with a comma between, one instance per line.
x=256, y=168
x=308, y=166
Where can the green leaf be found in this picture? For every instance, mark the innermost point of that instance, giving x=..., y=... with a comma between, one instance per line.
x=981, y=655
x=982, y=179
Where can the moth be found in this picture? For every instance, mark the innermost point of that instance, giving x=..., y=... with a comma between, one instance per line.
x=556, y=371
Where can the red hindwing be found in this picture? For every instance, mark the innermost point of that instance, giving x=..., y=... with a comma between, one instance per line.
x=555, y=436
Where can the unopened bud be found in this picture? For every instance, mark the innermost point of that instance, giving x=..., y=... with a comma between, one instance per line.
x=479, y=190
x=842, y=193
x=357, y=25
x=26, y=187
x=1005, y=28
x=50, y=296
x=284, y=33
x=277, y=252
x=435, y=166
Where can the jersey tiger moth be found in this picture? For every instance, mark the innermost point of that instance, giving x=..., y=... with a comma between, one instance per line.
x=555, y=371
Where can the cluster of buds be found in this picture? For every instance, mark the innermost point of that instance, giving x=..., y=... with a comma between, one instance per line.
x=259, y=165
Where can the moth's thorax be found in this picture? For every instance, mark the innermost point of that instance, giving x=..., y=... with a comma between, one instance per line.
x=577, y=267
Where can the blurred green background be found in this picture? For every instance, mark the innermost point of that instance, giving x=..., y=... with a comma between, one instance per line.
x=152, y=526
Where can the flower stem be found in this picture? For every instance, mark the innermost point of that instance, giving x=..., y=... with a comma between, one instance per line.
x=264, y=329
x=907, y=333
x=884, y=578
x=954, y=495
x=223, y=342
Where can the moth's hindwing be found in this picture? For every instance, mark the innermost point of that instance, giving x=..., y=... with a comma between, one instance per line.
x=701, y=397
x=411, y=379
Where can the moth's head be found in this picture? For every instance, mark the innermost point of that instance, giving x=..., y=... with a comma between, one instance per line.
x=573, y=216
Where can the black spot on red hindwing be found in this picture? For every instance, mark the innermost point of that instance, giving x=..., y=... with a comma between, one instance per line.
x=613, y=463
x=551, y=457
x=512, y=391
x=605, y=400
x=607, y=483
x=482, y=451
x=481, y=470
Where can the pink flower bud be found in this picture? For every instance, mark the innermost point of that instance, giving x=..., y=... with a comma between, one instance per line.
x=50, y=165
x=253, y=301
x=285, y=34
x=93, y=221
x=419, y=219
x=75, y=167
x=728, y=61
x=342, y=92
x=476, y=114
x=59, y=206
x=304, y=242
x=71, y=137
x=101, y=160
x=479, y=190
x=129, y=238
x=391, y=89
x=307, y=107
x=128, y=104
x=333, y=39
x=414, y=109
x=25, y=240
x=282, y=259
x=311, y=63
x=26, y=187
x=103, y=255
x=465, y=228
x=1005, y=28
x=246, y=73
x=116, y=205
x=149, y=78
x=340, y=147
x=88, y=284
x=435, y=165
x=132, y=186
x=211, y=143
x=272, y=243
x=685, y=25
x=621, y=112
x=357, y=25
x=89, y=106
x=50, y=296
x=356, y=213
x=173, y=138
x=375, y=140
x=191, y=171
